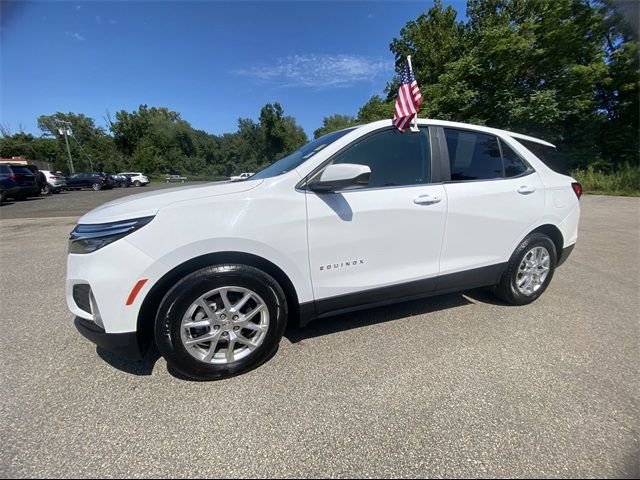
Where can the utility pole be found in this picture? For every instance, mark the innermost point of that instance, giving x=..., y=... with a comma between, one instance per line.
x=64, y=128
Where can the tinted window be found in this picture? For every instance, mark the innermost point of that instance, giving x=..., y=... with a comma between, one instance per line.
x=513, y=164
x=473, y=156
x=5, y=169
x=22, y=170
x=549, y=155
x=394, y=158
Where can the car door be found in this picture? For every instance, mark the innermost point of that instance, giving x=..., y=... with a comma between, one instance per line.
x=73, y=180
x=382, y=241
x=494, y=199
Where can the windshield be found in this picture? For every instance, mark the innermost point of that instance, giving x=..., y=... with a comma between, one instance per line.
x=300, y=156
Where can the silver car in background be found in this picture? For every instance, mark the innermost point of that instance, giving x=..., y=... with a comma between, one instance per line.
x=56, y=182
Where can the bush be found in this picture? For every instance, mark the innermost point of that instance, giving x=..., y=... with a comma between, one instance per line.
x=623, y=181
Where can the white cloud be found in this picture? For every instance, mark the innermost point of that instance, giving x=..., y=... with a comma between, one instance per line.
x=75, y=35
x=319, y=70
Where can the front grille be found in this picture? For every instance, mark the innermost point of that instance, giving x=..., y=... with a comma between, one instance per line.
x=81, y=295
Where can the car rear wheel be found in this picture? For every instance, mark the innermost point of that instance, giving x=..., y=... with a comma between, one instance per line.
x=137, y=183
x=96, y=186
x=529, y=271
x=3, y=194
x=221, y=321
x=46, y=190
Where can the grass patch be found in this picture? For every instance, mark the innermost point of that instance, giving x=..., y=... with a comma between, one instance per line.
x=625, y=181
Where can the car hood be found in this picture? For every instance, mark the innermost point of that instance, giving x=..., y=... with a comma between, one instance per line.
x=148, y=203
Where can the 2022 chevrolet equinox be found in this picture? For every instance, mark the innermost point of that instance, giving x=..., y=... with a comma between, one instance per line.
x=357, y=218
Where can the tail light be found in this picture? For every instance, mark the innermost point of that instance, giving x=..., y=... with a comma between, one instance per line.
x=15, y=176
x=577, y=189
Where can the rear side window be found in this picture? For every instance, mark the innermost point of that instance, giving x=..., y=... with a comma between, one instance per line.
x=513, y=164
x=395, y=158
x=5, y=169
x=473, y=156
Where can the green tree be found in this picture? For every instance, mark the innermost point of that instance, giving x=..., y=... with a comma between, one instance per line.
x=333, y=123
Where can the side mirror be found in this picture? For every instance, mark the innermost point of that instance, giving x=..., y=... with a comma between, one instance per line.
x=341, y=176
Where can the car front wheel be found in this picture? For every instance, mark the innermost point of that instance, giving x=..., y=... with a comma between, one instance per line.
x=96, y=186
x=221, y=321
x=137, y=183
x=529, y=271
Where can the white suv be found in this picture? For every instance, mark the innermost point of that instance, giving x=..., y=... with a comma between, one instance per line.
x=242, y=176
x=137, y=179
x=357, y=218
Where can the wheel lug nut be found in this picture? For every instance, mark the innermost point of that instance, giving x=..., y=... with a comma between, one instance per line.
x=216, y=327
x=235, y=317
x=224, y=334
x=236, y=328
x=223, y=316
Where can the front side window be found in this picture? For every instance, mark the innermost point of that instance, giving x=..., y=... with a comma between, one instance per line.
x=473, y=156
x=395, y=158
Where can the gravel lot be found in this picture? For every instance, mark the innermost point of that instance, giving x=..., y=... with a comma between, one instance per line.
x=455, y=386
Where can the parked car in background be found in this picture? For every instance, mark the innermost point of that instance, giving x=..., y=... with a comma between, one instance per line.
x=19, y=182
x=55, y=182
x=242, y=176
x=175, y=178
x=137, y=179
x=121, y=181
x=94, y=180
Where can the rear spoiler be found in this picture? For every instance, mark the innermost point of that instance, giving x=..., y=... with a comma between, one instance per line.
x=519, y=136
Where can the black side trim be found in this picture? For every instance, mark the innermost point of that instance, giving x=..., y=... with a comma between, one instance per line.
x=374, y=297
x=478, y=277
x=122, y=344
x=565, y=254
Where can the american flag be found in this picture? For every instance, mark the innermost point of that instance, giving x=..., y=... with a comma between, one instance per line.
x=408, y=100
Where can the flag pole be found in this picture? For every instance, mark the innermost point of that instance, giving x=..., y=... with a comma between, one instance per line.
x=414, y=123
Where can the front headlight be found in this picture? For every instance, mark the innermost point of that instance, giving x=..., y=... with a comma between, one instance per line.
x=87, y=238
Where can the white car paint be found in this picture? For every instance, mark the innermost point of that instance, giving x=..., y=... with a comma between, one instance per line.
x=394, y=235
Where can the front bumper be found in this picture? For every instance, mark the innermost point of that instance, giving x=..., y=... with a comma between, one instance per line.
x=99, y=284
x=122, y=344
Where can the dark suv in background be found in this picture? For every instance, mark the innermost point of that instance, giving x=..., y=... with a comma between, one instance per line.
x=94, y=180
x=17, y=182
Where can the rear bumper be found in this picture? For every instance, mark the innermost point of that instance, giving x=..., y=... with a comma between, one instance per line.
x=122, y=344
x=565, y=254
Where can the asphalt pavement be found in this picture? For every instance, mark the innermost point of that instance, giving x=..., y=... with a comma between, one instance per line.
x=455, y=386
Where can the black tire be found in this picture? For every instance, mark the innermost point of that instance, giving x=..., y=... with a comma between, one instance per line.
x=46, y=190
x=137, y=183
x=507, y=289
x=186, y=291
x=96, y=186
x=3, y=195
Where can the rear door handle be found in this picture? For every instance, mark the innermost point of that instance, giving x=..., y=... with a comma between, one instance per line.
x=427, y=200
x=526, y=190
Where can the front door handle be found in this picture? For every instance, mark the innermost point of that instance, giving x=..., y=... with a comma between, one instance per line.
x=526, y=190
x=427, y=200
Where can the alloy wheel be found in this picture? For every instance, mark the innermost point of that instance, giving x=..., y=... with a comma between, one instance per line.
x=533, y=271
x=225, y=325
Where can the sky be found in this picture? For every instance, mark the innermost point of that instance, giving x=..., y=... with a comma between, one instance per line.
x=213, y=62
